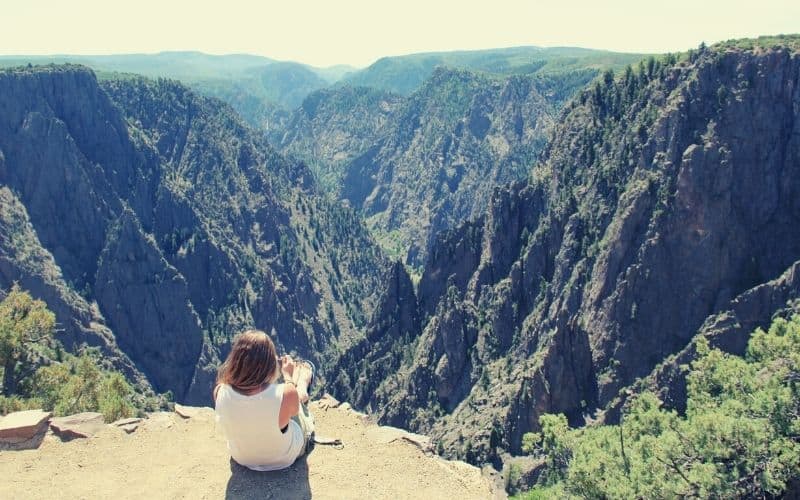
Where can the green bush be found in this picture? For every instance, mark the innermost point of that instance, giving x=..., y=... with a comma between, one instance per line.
x=79, y=385
x=38, y=374
x=740, y=436
x=26, y=330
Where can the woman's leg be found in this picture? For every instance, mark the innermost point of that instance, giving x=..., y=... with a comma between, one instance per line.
x=302, y=379
x=306, y=422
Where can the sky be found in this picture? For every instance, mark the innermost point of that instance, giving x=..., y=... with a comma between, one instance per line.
x=328, y=32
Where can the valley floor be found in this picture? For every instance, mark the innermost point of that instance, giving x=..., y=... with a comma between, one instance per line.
x=172, y=457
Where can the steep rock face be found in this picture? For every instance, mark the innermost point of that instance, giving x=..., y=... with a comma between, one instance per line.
x=146, y=301
x=235, y=216
x=664, y=194
x=177, y=220
x=729, y=225
x=377, y=357
x=728, y=330
x=23, y=260
x=52, y=156
x=421, y=164
x=451, y=143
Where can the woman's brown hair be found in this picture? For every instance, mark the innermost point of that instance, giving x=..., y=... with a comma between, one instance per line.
x=252, y=362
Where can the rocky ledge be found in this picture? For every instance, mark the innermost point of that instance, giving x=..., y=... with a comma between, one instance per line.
x=183, y=454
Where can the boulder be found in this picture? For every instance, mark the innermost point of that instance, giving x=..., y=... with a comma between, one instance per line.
x=23, y=425
x=80, y=425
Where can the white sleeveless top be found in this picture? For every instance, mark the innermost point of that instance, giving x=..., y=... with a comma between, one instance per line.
x=250, y=424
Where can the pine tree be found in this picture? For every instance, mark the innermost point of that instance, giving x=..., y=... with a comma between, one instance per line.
x=26, y=325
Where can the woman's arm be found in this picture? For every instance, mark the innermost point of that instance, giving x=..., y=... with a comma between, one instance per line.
x=290, y=405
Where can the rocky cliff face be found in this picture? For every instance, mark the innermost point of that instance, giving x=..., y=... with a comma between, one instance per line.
x=333, y=126
x=418, y=165
x=25, y=261
x=177, y=222
x=450, y=144
x=368, y=364
x=665, y=194
x=728, y=330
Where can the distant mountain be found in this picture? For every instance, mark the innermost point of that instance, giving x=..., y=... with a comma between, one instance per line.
x=187, y=66
x=665, y=206
x=333, y=74
x=333, y=126
x=264, y=90
x=425, y=163
x=420, y=165
x=405, y=74
x=267, y=116
x=286, y=83
x=156, y=224
x=270, y=82
x=263, y=96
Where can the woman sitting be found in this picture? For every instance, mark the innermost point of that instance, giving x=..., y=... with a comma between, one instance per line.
x=267, y=424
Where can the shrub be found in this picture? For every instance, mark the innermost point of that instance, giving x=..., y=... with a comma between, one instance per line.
x=740, y=436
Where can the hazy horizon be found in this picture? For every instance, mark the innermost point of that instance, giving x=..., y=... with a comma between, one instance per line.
x=267, y=56
x=348, y=33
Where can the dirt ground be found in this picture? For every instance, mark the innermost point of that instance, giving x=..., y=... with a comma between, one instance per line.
x=172, y=457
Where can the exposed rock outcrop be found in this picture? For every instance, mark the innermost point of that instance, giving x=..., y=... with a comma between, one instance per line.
x=18, y=428
x=25, y=261
x=80, y=425
x=728, y=330
x=159, y=329
x=376, y=357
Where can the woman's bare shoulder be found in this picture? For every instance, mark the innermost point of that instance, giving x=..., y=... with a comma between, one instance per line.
x=218, y=389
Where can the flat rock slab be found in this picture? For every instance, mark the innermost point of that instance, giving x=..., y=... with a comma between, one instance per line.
x=126, y=421
x=80, y=425
x=23, y=425
x=127, y=424
x=129, y=428
x=193, y=411
x=152, y=463
x=386, y=434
